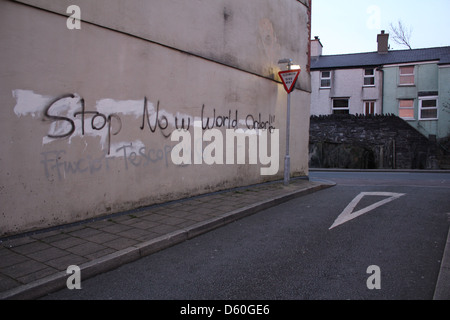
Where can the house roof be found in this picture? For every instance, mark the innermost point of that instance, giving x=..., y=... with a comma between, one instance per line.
x=441, y=54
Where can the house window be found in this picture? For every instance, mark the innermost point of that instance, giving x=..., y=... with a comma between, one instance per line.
x=369, y=107
x=406, y=76
x=428, y=108
x=369, y=77
x=340, y=106
x=406, y=109
x=325, y=79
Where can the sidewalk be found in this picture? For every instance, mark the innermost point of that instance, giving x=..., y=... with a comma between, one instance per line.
x=442, y=290
x=34, y=264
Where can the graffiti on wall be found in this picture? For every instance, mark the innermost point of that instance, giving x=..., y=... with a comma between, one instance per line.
x=69, y=116
x=56, y=165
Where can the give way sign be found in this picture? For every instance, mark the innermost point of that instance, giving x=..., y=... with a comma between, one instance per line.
x=289, y=78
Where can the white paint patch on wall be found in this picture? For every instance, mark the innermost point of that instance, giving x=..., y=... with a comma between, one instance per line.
x=124, y=107
x=30, y=103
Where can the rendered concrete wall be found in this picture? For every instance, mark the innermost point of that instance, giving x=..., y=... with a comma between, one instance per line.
x=89, y=115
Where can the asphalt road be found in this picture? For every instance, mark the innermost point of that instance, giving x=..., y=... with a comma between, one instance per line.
x=289, y=252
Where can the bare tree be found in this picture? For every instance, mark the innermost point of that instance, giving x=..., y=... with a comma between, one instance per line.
x=402, y=34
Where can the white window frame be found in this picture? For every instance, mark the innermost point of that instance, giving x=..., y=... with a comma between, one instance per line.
x=374, y=106
x=325, y=78
x=410, y=108
x=340, y=109
x=400, y=75
x=421, y=99
x=372, y=76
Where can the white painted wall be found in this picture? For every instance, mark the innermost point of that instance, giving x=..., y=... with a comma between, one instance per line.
x=345, y=83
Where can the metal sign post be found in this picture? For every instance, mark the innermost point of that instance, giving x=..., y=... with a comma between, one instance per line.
x=287, y=158
x=289, y=78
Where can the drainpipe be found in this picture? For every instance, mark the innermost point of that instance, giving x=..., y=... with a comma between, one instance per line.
x=380, y=68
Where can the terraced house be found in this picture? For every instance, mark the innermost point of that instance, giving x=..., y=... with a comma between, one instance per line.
x=412, y=84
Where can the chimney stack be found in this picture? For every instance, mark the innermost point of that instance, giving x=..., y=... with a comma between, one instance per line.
x=316, y=47
x=383, y=42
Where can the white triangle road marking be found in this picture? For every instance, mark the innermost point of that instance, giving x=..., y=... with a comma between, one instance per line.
x=348, y=213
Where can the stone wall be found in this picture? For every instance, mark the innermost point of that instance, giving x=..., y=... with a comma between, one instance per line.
x=369, y=142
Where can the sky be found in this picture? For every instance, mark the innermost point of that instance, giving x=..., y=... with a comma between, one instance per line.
x=352, y=26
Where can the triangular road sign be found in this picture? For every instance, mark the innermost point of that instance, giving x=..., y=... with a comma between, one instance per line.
x=289, y=78
x=348, y=213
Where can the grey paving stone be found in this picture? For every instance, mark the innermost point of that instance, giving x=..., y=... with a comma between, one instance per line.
x=102, y=237
x=228, y=208
x=31, y=247
x=198, y=202
x=220, y=201
x=133, y=233
x=121, y=243
x=179, y=213
x=201, y=210
x=62, y=263
x=48, y=254
x=154, y=217
x=37, y=275
x=116, y=228
x=56, y=237
x=23, y=268
x=17, y=242
x=10, y=258
x=68, y=242
x=7, y=283
x=41, y=235
x=218, y=213
x=125, y=219
x=145, y=213
x=198, y=217
x=174, y=205
x=100, y=224
x=144, y=224
x=163, y=229
x=186, y=223
x=72, y=228
x=100, y=253
x=84, y=232
x=165, y=211
x=173, y=221
x=190, y=208
x=213, y=205
x=148, y=236
x=86, y=248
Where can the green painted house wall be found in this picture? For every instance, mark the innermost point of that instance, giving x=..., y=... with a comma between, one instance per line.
x=430, y=79
x=444, y=102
